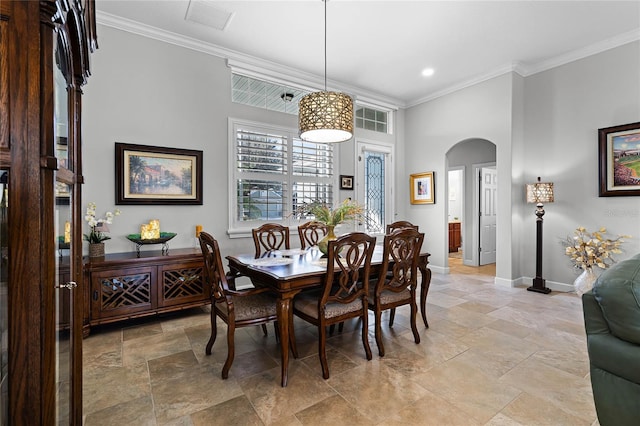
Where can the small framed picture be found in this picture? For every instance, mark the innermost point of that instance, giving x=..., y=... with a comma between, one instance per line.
x=619, y=155
x=422, y=188
x=346, y=182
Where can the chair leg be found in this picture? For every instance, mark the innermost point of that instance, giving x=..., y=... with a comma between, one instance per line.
x=365, y=331
x=414, y=328
x=275, y=329
x=392, y=316
x=214, y=331
x=378, y=314
x=231, y=349
x=264, y=330
x=332, y=328
x=322, y=352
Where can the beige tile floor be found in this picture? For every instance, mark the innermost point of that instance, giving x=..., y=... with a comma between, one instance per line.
x=492, y=356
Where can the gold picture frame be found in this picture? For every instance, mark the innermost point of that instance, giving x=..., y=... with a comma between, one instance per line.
x=422, y=188
x=619, y=160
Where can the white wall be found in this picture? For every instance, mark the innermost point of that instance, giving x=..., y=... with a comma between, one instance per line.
x=466, y=154
x=144, y=91
x=148, y=92
x=482, y=111
x=564, y=108
x=543, y=125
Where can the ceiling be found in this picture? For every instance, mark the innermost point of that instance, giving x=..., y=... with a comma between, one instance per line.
x=378, y=49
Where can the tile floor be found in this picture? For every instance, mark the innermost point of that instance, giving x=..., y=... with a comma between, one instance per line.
x=492, y=356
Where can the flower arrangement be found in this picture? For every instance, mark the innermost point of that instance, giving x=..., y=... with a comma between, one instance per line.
x=588, y=249
x=347, y=210
x=98, y=226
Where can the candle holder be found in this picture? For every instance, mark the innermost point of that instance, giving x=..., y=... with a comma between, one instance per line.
x=163, y=239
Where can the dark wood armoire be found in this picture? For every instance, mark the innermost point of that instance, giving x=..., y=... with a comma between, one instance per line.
x=44, y=62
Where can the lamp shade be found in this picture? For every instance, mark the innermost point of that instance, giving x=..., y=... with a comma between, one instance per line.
x=326, y=117
x=540, y=192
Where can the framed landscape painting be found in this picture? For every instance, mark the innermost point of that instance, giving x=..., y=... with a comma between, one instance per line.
x=619, y=157
x=157, y=175
x=422, y=188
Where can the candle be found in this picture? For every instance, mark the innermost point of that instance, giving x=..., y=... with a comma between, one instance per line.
x=154, y=227
x=198, y=230
x=67, y=232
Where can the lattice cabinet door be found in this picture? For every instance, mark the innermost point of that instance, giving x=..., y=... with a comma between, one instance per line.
x=181, y=283
x=122, y=292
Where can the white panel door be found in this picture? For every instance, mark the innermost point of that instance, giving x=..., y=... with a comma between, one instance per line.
x=488, y=212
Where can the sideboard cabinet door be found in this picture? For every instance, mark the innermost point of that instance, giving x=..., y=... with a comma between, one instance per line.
x=181, y=284
x=122, y=293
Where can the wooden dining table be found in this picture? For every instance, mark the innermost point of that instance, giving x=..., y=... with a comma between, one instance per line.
x=288, y=272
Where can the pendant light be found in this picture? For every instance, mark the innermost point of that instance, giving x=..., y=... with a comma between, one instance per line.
x=324, y=116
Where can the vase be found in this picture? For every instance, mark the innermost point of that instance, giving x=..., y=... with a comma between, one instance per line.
x=585, y=281
x=96, y=249
x=323, y=244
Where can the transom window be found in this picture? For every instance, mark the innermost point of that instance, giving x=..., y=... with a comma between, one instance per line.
x=274, y=173
x=264, y=94
x=372, y=119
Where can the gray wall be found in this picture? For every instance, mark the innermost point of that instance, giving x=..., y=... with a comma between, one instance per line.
x=543, y=125
x=466, y=154
x=149, y=92
x=564, y=109
x=482, y=111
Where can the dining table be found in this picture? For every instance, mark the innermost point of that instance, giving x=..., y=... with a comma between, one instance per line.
x=288, y=272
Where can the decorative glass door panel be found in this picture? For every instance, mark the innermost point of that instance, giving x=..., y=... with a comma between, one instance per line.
x=64, y=293
x=4, y=275
x=374, y=171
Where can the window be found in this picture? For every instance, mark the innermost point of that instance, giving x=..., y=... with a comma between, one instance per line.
x=263, y=94
x=275, y=172
x=372, y=119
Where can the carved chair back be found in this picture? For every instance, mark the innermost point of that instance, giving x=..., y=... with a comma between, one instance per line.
x=310, y=233
x=269, y=237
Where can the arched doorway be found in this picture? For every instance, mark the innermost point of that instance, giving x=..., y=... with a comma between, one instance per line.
x=465, y=192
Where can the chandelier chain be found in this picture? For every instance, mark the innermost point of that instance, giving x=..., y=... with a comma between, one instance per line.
x=325, y=45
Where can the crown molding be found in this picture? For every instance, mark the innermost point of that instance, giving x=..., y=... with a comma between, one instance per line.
x=526, y=70
x=467, y=83
x=599, y=47
x=260, y=68
x=246, y=64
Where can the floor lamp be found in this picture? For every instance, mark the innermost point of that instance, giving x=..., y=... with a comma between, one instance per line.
x=539, y=193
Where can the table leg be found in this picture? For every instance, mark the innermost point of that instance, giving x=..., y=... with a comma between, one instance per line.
x=424, y=289
x=284, y=310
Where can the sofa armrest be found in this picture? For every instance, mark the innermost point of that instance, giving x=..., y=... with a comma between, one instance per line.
x=614, y=355
x=594, y=321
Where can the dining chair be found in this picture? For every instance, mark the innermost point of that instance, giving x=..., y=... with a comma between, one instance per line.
x=400, y=224
x=397, y=282
x=255, y=306
x=270, y=236
x=310, y=233
x=344, y=293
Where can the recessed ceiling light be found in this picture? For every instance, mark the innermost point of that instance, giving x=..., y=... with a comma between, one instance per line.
x=428, y=72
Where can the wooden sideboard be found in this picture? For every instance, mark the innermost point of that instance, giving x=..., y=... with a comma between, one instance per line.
x=121, y=286
x=455, y=237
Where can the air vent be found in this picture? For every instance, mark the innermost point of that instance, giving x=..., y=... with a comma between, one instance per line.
x=205, y=13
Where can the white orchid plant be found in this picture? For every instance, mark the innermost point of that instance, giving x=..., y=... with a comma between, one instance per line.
x=98, y=227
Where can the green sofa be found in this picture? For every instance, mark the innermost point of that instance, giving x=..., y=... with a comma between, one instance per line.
x=612, y=321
